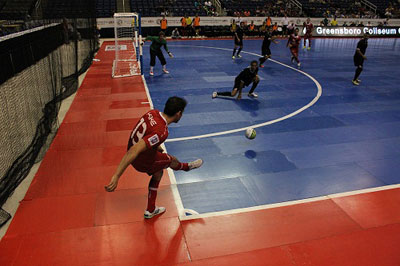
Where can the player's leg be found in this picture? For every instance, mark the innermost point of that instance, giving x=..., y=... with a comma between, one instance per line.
x=236, y=87
x=253, y=87
x=152, y=61
x=177, y=165
x=152, y=210
x=358, y=62
x=359, y=69
x=309, y=42
x=240, y=49
x=234, y=50
x=163, y=62
x=305, y=41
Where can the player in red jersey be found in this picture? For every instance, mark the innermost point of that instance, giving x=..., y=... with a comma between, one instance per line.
x=293, y=43
x=145, y=154
x=308, y=35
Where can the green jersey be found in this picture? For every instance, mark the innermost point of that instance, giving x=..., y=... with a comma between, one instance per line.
x=156, y=43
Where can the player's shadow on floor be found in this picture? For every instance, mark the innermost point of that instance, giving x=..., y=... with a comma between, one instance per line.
x=248, y=105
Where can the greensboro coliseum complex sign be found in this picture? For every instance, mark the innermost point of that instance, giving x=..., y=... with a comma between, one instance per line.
x=356, y=31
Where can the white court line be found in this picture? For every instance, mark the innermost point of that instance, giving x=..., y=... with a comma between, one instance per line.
x=313, y=101
x=289, y=203
x=171, y=174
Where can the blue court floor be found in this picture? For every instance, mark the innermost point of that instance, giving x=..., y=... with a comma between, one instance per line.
x=348, y=140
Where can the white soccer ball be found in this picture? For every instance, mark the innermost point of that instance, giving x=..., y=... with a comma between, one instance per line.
x=250, y=133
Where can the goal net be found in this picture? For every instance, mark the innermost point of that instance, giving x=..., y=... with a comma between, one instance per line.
x=127, y=33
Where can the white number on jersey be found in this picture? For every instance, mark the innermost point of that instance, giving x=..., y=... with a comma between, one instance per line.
x=136, y=133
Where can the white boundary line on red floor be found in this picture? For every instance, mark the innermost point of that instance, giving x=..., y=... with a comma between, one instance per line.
x=174, y=187
x=289, y=203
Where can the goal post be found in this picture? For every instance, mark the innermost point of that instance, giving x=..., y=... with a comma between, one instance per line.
x=128, y=51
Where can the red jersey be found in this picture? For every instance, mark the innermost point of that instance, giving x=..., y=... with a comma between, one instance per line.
x=152, y=128
x=309, y=28
x=294, y=41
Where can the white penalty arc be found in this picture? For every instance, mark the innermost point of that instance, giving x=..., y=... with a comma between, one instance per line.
x=311, y=103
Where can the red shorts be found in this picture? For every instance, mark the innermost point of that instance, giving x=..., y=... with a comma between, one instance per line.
x=295, y=51
x=159, y=162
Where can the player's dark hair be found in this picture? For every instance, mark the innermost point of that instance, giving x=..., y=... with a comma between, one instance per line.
x=254, y=62
x=161, y=33
x=173, y=105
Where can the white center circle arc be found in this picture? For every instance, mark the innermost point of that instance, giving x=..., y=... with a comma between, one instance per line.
x=311, y=103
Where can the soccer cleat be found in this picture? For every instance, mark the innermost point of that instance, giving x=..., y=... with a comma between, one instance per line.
x=309, y=48
x=151, y=73
x=358, y=80
x=195, y=164
x=233, y=57
x=157, y=211
x=214, y=95
x=298, y=64
x=355, y=82
x=238, y=56
x=304, y=47
x=253, y=95
x=261, y=66
x=165, y=71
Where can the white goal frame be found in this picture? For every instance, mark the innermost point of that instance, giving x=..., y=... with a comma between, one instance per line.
x=128, y=51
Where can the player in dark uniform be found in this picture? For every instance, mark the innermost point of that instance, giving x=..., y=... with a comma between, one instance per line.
x=238, y=39
x=359, y=58
x=145, y=154
x=265, y=51
x=308, y=35
x=293, y=43
x=247, y=76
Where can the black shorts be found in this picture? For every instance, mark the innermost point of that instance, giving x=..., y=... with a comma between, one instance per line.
x=358, y=60
x=239, y=43
x=237, y=83
x=265, y=50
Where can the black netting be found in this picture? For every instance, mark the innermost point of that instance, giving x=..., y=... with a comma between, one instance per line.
x=41, y=68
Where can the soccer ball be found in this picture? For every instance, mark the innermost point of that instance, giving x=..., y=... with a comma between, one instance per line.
x=250, y=133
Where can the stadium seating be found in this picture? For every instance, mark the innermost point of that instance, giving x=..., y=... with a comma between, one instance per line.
x=16, y=9
x=105, y=8
x=154, y=8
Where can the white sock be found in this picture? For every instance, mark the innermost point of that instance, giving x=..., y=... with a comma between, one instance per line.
x=151, y=68
x=164, y=67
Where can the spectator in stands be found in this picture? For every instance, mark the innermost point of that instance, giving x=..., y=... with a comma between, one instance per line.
x=251, y=28
x=184, y=25
x=345, y=24
x=334, y=22
x=275, y=29
x=285, y=23
x=291, y=28
x=325, y=21
x=175, y=34
x=233, y=26
x=352, y=24
x=369, y=24
x=269, y=21
x=246, y=13
x=196, y=24
x=386, y=22
x=189, y=27
x=164, y=24
x=360, y=24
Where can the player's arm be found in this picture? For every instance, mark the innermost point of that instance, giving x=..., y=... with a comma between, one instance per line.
x=160, y=149
x=166, y=49
x=360, y=53
x=128, y=158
